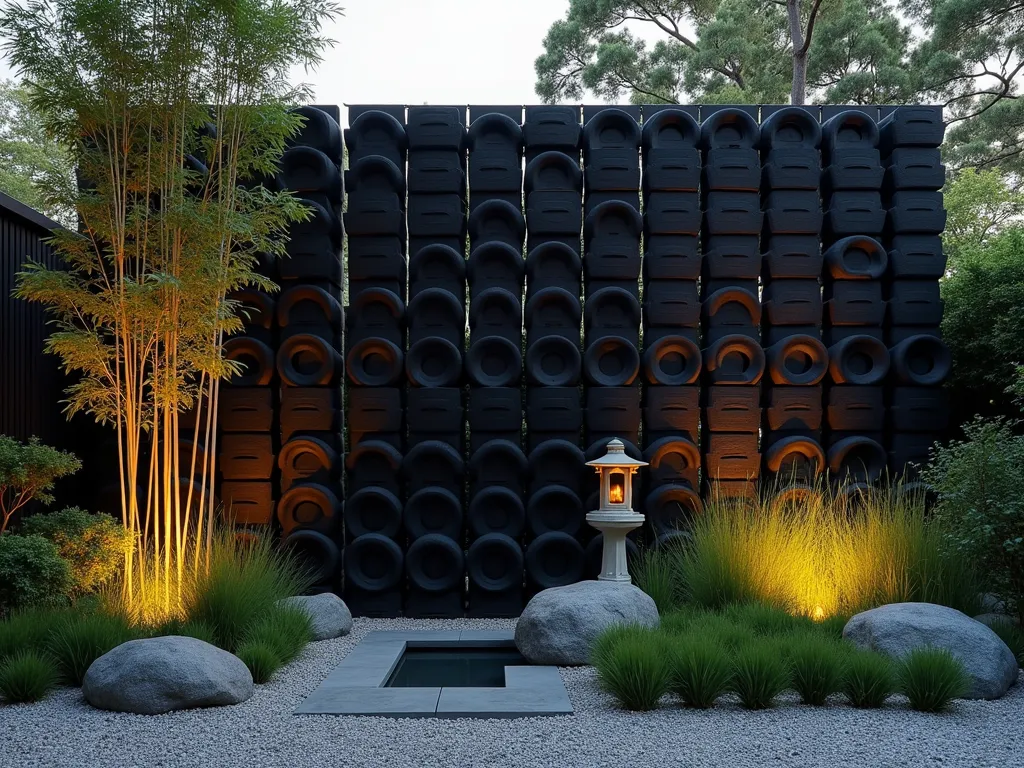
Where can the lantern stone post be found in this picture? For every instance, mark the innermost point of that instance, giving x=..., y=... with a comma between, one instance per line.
x=615, y=517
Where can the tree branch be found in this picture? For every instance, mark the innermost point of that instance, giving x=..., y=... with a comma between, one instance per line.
x=810, y=27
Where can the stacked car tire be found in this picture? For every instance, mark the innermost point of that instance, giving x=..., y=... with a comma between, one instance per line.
x=671, y=318
x=796, y=360
x=909, y=142
x=734, y=361
x=375, y=360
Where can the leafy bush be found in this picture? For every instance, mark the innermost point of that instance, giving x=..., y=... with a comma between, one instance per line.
x=27, y=676
x=868, y=679
x=94, y=546
x=816, y=664
x=261, y=659
x=1008, y=632
x=821, y=557
x=245, y=580
x=759, y=675
x=82, y=638
x=28, y=471
x=286, y=629
x=701, y=670
x=635, y=669
x=28, y=628
x=931, y=678
x=980, y=505
x=655, y=573
x=32, y=572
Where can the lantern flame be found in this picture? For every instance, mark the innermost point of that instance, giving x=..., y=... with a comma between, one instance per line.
x=616, y=493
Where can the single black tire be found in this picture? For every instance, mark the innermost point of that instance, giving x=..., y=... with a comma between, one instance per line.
x=541, y=260
x=734, y=359
x=309, y=305
x=921, y=361
x=795, y=458
x=669, y=458
x=256, y=358
x=254, y=308
x=319, y=130
x=554, y=560
x=553, y=361
x=674, y=123
x=672, y=361
x=494, y=563
x=373, y=510
x=433, y=511
x=308, y=170
x=554, y=508
x=434, y=362
x=798, y=361
x=494, y=361
x=375, y=302
x=496, y=510
x=790, y=127
x=305, y=360
x=435, y=563
x=502, y=453
x=620, y=124
x=860, y=359
x=494, y=263
x=308, y=505
x=850, y=129
x=856, y=459
x=672, y=507
x=373, y=563
x=484, y=216
x=374, y=363
x=714, y=308
x=498, y=308
x=377, y=453
x=433, y=459
x=611, y=300
x=552, y=171
x=856, y=258
x=437, y=260
x=307, y=456
x=567, y=457
x=434, y=306
x=729, y=129
x=315, y=553
x=611, y=361
x=374, y=174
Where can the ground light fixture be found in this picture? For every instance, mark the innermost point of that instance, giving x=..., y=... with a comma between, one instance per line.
x=615, y=516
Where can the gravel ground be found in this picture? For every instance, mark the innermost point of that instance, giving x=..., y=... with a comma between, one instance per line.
x=64, y=731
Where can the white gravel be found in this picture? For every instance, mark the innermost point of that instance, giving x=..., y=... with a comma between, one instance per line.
x=64, y=731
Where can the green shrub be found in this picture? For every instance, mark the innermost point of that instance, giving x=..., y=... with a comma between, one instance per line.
x=980, y=505
x=1013, y=636
x=701, y=670
x=27, y=676
x=655, y=573
x=245, y=580
x=931, y=678
x=722, y=630
x=94, y=546
x=833, y=626
x=816, y=664
x=868, y=679
x=82, y=638
x=286, y=629
x=759, y=674
x=679, y=620
x=612, y=636
x=635, y=670
x=32, y=572
x=28, y=628
x=197, y=629
x=261, y=658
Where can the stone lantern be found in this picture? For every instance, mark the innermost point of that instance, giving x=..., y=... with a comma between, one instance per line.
x=615, y=518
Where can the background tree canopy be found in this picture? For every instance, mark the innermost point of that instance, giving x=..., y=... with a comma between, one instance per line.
x=964, y=54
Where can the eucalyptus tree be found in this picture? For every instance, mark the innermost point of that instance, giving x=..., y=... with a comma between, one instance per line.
x=174, y=112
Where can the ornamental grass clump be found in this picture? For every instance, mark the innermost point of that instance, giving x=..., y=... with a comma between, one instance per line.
x=635, y=669
x=83, y=637
x=655, y=573
x=931, y=678
x=27, y=676
x=701, y=670
x=286, y=629
x=766, y=620
x=29, y=628
x=759, y=675
x=869, y=679
x=817, y=664
x=261, y=658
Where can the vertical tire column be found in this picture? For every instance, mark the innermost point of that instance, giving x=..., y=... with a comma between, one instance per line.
x=553, y=363
x=612, y=231
x=671, y=320
x=433, y=468
x=796, y=360
x=494, y=364
x=309, y=360
x=854, y=309
x=375, y=358
x=734, y=361
x=918, y=408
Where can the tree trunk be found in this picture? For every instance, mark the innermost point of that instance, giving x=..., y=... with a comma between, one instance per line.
x=798, y=93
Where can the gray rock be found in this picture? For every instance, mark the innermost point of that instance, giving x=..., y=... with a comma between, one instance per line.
x=328, y=612
x=560, y=624
x=162, y=674
x=897, y=629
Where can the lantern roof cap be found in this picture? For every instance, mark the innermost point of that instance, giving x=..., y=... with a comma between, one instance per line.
x=616, y=457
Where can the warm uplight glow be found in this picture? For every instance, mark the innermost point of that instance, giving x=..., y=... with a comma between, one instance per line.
x=819, y=613
x=617, y=489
